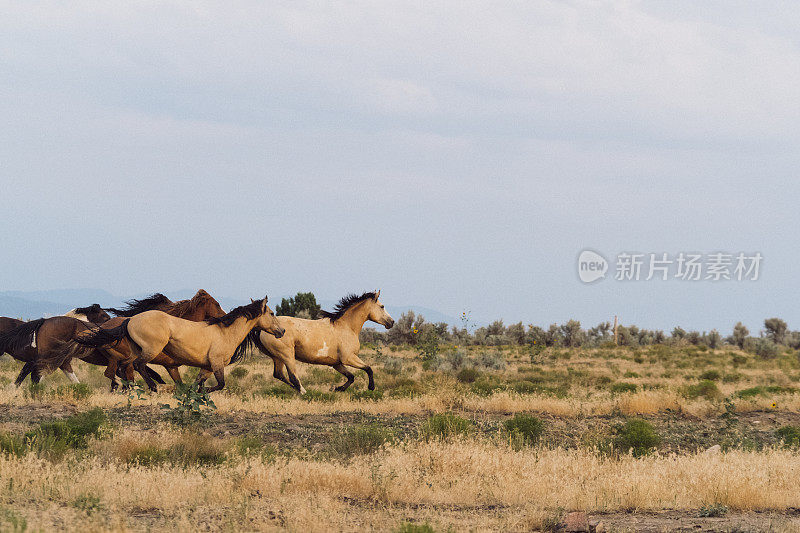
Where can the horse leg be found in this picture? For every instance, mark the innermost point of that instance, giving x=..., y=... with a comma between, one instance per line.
x=202, y=376
x=175, y=374
x=291, y=369
x=277, y=372
x=27, y=368
x=356, y=362
x=139, y=366
x=339, y=367
x=66, y=368
x=111, y=373
x=219, y=375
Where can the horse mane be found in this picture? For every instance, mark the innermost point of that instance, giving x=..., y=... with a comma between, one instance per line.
x=249, y=311
x=134, y=307
x=247, y=346
x=182, y=308
x=88, y=309
x=19, y=337
x=346, y=303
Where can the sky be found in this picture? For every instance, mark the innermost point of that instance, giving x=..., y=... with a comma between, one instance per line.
x=457, y=155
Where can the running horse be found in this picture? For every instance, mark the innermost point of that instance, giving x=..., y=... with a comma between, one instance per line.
x=117, y=357
x=209, y=345
x=331, y=340
x=29, y=342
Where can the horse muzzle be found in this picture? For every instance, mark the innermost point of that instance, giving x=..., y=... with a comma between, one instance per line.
x=389, y=324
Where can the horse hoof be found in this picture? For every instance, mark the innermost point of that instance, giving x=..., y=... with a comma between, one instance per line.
x=371, y=386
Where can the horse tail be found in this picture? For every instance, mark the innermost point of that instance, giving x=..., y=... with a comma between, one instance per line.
x=20, y=337
x=101, y=337
x=63, y=352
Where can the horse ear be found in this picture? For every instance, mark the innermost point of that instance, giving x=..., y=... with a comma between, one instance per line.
x=266, y=298
x=252, y=301
x=377, y=293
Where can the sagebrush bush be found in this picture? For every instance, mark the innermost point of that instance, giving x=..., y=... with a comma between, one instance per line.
x=712, y=375
x=467, y=375
x=789, y=436
x=444, y=426
x=238, y=372
x=704, y=389
x=361, y=440
x=524, y=429
x=55, y=437
x=636, y=436
x=623, y=387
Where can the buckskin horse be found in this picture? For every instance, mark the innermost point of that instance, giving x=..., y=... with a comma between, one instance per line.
x=331, y=340
x=209, y=345
x=117, y=357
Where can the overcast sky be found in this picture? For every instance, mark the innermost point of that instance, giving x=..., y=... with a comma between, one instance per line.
x=457, y=155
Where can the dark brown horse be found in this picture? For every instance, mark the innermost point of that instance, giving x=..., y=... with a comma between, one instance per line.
x=32, y=341
x=117, y=357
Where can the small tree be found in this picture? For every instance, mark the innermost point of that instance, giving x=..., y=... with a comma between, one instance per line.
x=303, y=305
x=740, y=333
x=776, y=329
x=572, y=332
x=516, y=332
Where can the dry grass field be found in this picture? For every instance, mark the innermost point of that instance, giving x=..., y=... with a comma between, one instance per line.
x=484, y=439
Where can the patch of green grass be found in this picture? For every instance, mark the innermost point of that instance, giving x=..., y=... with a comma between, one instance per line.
x=623, y=387
x=486, y=386
x=468, y=375
x=711, y=375
x=704, y=389
x=525, y=430
x=278, y=391
x=55, y=437
x=79, y=391
x=714, y=510
x=238, y=372
x=361, y=440
x=410, y=527
x=319, y=396
x=630, y=374
x=88, y=503
x=636, y=436
x=789, y=435
x=12, y=444
x=404, y=388
x=372, y=395
x=247, y=446
x=11, y=521
x=444, y=426
x=764, y=391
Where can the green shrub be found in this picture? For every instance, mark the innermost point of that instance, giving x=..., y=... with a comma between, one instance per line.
x=630, y=374
x=622, y=387
x=409, y=527
x=278, y=391
x=467, y=375
x=524, y=429
x=79, y=391
x=789, y=435
x=444, y=426
x=705, y=389
x=372, y=395
x=404, y=387
x=765, y=348
x=715, y=510
x=711, y=375
x=238, y=372
x=486, y=386
x=764, y=391
x=319, y=396
x=55, y=437
x=12, y=444
x=361, y=440
x=89, y=503
x=636, y=436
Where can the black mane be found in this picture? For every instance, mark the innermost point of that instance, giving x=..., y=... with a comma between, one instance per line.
x=134, y=307
x=86, y=310
x=346, y=303
x=249, y=311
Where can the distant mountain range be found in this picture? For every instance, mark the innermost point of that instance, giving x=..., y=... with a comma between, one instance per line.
x=29, y=305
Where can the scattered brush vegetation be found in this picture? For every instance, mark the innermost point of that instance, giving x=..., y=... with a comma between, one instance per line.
x=467, y=375
x=361, y=440
x=704, y=389
x=186, y=449
x=54, y=438
x=636, y=436
x=789, y=436
x=524, y=430
x=410, y=527
x=192, y=405
x=444, y=426
x=714, y=510
x=622, y=387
